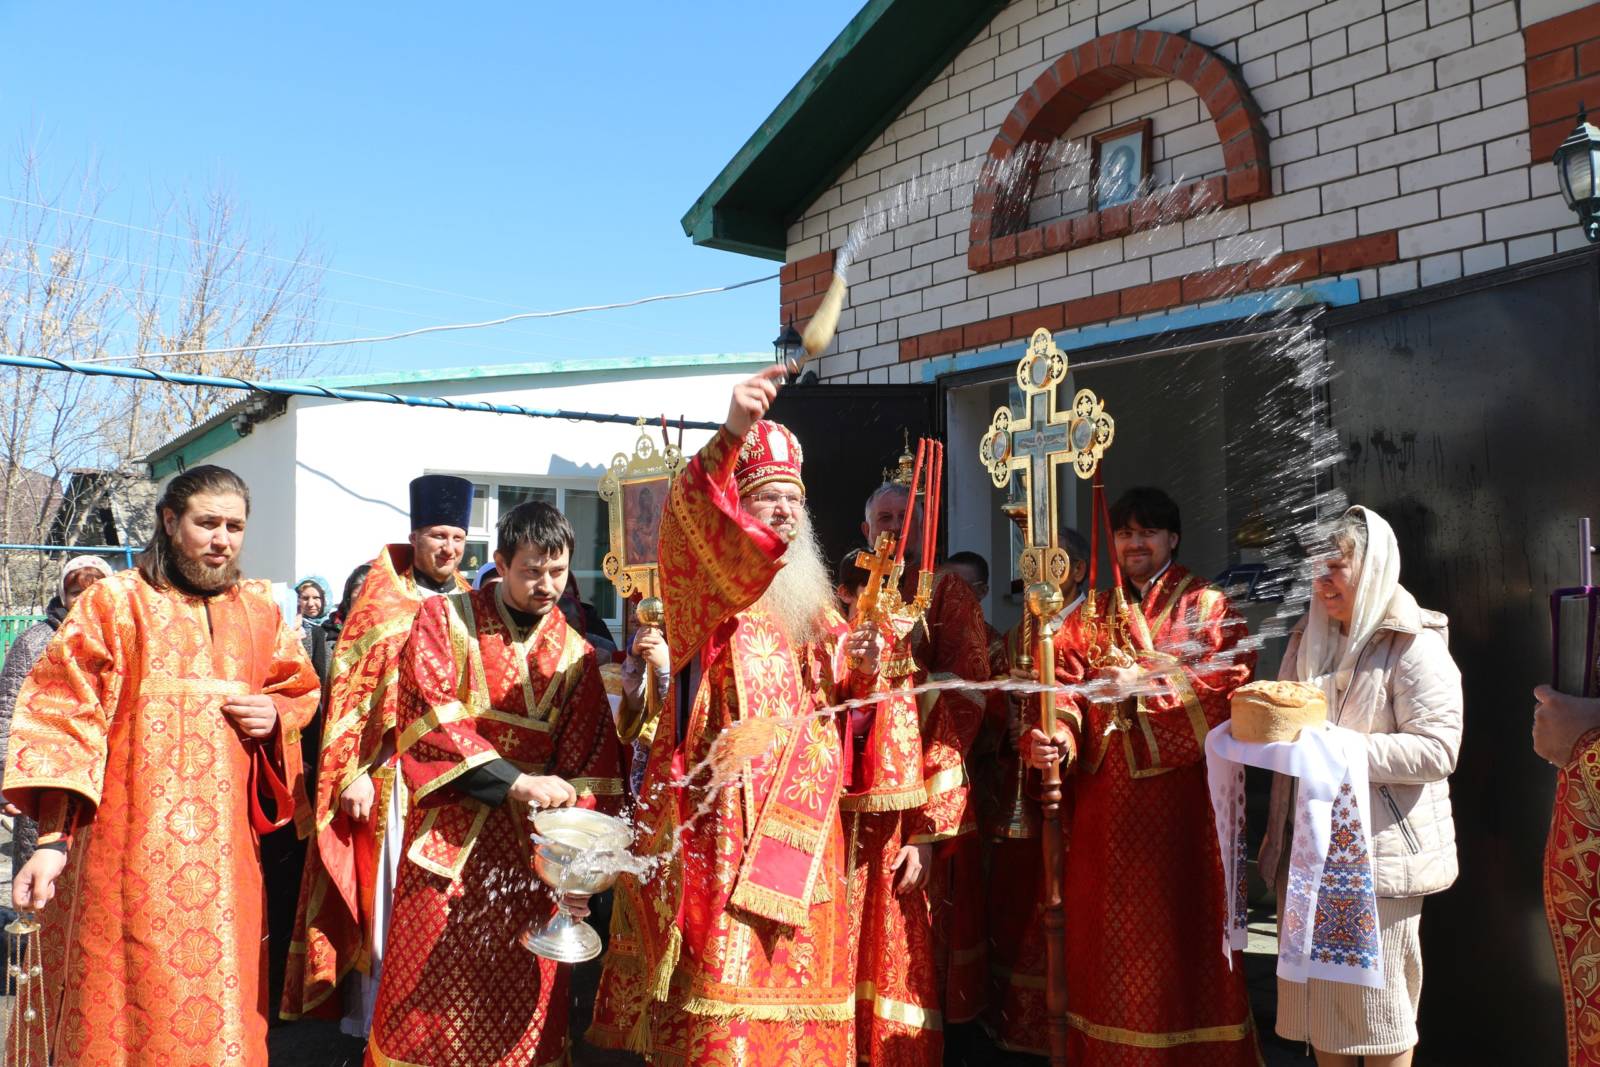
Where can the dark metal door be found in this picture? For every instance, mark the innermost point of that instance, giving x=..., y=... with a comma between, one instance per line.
x=850, y=434
x=1470, y=424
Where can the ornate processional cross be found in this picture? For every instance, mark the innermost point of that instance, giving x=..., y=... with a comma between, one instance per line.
x=1035, y=442
x=1039, y=439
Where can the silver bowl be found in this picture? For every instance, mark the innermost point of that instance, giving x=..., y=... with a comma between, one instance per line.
x=571, y=856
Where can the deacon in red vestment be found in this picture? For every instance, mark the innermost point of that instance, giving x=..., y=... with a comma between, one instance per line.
x=360, y=812
x=916, y=869
x=152, y=744
x=1566, y=732
x=1018, y=962
x=501, y=710
x=737, y=950
x=1146, y=982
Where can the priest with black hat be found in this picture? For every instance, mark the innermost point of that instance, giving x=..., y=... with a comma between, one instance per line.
x=337, y=952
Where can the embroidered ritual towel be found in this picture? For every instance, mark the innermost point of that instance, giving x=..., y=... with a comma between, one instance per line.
x=1329, y=925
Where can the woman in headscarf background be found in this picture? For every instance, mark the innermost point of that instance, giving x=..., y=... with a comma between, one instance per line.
x=283, y=852
x=78, y=574
x=1384, y=664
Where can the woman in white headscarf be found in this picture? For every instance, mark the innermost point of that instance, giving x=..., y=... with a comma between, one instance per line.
x=1384, y=664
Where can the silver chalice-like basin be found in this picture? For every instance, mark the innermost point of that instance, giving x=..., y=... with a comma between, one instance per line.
x=577, y=851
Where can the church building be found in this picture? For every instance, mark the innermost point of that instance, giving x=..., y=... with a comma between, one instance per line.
x=1299, y=248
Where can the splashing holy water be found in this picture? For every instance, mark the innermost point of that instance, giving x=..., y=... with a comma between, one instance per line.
x=1288, y=459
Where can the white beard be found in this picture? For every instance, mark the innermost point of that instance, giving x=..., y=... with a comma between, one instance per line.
x=801, y=593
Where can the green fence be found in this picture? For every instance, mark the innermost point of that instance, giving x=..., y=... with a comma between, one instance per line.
x=11, y=626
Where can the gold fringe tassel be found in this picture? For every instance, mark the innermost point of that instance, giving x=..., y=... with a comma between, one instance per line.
x=656, y=988
x=843, y=1011
x=904, y=800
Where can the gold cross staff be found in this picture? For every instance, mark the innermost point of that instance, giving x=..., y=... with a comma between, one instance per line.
x=1034, y=442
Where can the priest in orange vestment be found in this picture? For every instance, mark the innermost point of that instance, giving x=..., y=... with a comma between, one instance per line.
x=360, y=805
x=501, y=710
x=151, y=744
x=737, y=951
x=1147, y=984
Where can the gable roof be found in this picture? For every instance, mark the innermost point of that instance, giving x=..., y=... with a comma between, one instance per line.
x=220, y=431
x=888, y=53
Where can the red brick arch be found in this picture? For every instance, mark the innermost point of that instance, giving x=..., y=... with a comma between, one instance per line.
x=1067, y=88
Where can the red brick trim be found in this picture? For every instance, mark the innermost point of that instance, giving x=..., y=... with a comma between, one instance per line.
x=1290, y=268
x=1063, y=92
x=801, y=286
x=1563, y=70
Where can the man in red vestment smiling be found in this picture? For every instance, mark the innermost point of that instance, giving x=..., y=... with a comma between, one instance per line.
x=1147, y=984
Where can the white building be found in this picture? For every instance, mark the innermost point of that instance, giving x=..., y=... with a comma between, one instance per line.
x=329, y=479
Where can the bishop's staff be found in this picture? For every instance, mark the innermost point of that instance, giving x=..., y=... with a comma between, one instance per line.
x=1034, y=442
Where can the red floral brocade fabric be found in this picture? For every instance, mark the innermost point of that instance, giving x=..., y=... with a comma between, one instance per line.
x=737, y=950
x=152, y=944
x=458, y=990
x=1147, y=984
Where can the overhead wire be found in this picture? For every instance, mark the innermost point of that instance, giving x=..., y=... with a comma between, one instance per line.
x=422, y=331
x=326, y=392
x=523, y=316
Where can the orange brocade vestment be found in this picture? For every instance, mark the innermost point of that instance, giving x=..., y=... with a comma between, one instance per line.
x=458, y=990
x=333, y=927
x=153, y=942
x=737, y=951
x=1147, y=983
x=1572, y=897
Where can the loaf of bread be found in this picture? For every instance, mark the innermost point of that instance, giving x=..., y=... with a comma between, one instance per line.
x=1276, y=711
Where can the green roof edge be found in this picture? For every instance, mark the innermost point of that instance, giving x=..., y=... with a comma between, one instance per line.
x=700, y=221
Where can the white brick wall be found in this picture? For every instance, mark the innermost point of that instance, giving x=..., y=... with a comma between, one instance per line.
x=1385, y=115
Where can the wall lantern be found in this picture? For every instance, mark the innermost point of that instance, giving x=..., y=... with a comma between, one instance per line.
x=787, y=346
x=1578, y=173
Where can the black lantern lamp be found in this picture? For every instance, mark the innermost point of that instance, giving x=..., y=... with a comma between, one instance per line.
x=1578, y=173
x=787, y=347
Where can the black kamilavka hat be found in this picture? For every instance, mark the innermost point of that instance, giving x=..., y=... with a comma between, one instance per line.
x=441, y=500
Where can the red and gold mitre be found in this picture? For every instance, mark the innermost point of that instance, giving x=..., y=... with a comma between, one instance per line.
x=770, y=454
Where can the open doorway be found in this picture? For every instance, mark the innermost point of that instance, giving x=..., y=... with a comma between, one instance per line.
x=1231, y=427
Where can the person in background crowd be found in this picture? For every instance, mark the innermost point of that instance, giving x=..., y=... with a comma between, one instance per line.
x=334, y=623
x=315, y=602
x=312, y=595
x=151, y=743
x=848, y=582
x=973, y=569
x=487, y=575
x=586, y=620
x=283, y=852
x=79, y=573
x=1384, y=664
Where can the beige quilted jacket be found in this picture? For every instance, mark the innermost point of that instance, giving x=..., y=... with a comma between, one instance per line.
x=1405, y=696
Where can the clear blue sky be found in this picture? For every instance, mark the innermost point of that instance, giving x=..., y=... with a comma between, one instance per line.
x=535, y=154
